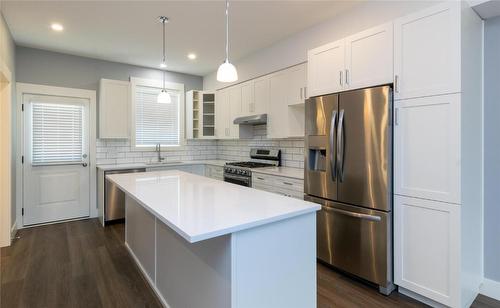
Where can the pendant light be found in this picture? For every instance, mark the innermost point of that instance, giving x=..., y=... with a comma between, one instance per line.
x=227, y=72
x=163, y=97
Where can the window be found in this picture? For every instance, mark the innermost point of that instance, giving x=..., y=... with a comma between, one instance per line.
x=57, y=133
x=153, y=122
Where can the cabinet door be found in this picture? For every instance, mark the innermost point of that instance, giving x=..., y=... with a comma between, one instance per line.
x=114, y=109
x=427, y=52
x=369, y=60
x=277, y=121
x=426, y=248
x=262, y=93
x=234, y=110
x=325, y=69
x=247, y=98
x=427, y=148
x=222, y=114
x=297, y=85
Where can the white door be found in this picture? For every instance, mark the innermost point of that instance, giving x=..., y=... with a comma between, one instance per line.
x=222, y=114
x=427, y=148
x=369, y=60
x=277, y=121
x=325, y=69
x=297, y=85
x=426, y=248
x=427, y=52
x=55, y=170
x=261, y=101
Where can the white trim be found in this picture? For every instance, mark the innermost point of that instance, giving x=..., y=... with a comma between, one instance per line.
x=145, y=275
x=490, y=288
x=134, y=82
x=27, y=88
x=5, y=154
x=482, y=143
x=420, y=298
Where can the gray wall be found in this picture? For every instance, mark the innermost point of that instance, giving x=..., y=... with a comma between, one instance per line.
x=7, y=53
x=57, y=69
x=492, y=149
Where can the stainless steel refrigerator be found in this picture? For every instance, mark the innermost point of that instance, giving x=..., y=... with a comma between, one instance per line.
x=348, y=170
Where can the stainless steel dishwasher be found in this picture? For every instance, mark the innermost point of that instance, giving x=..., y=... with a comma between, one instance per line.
x=114, y=198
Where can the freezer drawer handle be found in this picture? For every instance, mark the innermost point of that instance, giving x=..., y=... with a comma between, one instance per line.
x=357, y=215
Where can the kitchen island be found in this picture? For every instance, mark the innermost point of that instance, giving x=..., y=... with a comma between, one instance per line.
x=206, y=243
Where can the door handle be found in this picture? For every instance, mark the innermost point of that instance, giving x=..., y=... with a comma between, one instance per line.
x=340, y=78
x=84, y=164
x=301, y=90
x=340, y=146
x=396, y=83
x=347, y=77
x=352, y=214
x=333, y=168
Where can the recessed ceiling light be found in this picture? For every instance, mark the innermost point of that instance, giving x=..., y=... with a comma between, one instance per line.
x=191, y=56
x=163, y=65
x=57, y=27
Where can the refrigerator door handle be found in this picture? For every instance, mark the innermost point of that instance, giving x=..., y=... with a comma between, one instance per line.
x=333, y=163
x=340, y=146
x=352, y=214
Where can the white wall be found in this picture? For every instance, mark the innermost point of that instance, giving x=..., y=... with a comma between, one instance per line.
x=293, y=50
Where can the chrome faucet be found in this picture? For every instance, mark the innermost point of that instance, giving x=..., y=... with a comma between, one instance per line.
x=158, y=149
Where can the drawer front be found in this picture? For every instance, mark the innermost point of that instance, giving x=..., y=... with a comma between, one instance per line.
x=289, y=184
x=215, y=172
x=262, y=179
x=280, y=185
x=290, y=193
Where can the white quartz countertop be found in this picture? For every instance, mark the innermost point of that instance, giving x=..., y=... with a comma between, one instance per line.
x=200, y=208
x=296, y=173
x=156, y=165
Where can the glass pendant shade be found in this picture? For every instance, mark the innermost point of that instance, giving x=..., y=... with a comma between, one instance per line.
x=164, y=97
x=227, y=72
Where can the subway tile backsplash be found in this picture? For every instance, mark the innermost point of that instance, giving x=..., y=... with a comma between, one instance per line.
x=119, y=151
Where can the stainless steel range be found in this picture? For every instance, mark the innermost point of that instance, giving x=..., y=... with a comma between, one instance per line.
x=241, y=172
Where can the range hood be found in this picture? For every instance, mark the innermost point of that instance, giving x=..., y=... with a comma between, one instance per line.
x=252, y=120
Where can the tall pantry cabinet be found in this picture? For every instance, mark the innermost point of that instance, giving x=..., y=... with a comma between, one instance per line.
x=438, y=154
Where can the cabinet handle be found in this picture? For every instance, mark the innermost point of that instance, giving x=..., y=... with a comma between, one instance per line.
x=301, y=90
x=347, y=77
x=340, y=77
x=396, y=116
x=305, y=92
x=396, y=83
x=260, y=178
x=287, y=183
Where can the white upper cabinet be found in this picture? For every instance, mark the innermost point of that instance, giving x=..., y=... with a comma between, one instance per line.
x=297, y=90
x=247, y=98
x=369, y=57
x=261, y=96
x=326, y=66
x=277, y=121
x=234, y=110
x=427, y=52
x=222, y=129
x=114, y=109
x=427, y=148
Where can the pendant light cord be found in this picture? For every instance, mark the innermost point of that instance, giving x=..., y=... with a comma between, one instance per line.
x=164, y=60
x=227, y=30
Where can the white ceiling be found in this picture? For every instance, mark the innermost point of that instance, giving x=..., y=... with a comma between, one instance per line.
x=128, y=31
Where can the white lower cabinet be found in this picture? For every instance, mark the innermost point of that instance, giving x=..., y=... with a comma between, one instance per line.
x=279, y=185
x=427, y=248
x=214, y=172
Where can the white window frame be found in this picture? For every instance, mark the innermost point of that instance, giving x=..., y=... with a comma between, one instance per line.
x=173, y=86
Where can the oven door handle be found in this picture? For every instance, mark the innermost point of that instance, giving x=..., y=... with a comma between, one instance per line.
x=237, y=177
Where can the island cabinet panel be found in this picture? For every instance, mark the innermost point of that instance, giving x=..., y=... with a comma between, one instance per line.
x=140, y=236
x=193, y=274
x=274, y=265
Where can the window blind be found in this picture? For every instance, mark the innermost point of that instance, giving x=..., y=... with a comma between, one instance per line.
x=57, y=132
x=156, y=123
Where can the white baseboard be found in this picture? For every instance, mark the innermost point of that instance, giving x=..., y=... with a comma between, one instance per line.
x=420, y=298
x=491, y=288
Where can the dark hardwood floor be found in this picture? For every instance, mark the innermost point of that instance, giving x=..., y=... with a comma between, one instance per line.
x=81, y=264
